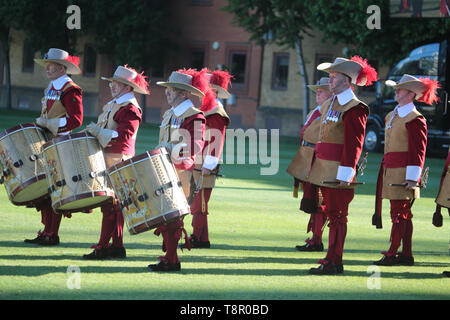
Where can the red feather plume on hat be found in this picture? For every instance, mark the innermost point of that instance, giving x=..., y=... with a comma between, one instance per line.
x=221, y=78
x=73, y=59
x=200, y=80
x=429, y=96
x=367, y=72
x=140, y=80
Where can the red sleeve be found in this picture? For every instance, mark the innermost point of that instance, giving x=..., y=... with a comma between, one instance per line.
x=217, y=123
x=354, y=131
x=128, y=119
x=417, y=141
x=72, y=100
x=194, y=128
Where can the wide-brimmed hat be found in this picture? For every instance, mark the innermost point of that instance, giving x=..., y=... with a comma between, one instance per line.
x=130, y=77
x=424, y=88
x=61, y=57
x=221, y=80
x=323, y=83
x=181, y=81
x=357, y=68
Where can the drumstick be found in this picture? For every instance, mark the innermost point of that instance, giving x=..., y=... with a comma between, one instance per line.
x=338, y=182
x=400, y=185
x=212, y=173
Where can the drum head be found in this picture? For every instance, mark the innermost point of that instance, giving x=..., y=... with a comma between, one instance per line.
x=30, y=190
x=83, y=202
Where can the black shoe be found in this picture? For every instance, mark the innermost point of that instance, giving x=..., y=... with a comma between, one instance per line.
x=310, y=247
x=405, y=260
x=36, y=240
x=195, y=243
x=115, y=252
x=339, y=268
x=386, y=261
x=324, y=269
x=165, y=266
x=49, y=241
x=97, y=254
x=446, y=273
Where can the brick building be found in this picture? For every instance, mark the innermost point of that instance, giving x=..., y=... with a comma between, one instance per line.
x=266, y=93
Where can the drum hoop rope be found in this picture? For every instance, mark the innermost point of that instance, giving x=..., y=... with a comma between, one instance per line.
x=60, y=170
x=160, y=183
x=170, y=180
x=140, y=185
x=127, y=191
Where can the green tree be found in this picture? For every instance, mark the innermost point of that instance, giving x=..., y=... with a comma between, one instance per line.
x=130, y=32
x=44, y=27
x=283, y=22
x=345, y=21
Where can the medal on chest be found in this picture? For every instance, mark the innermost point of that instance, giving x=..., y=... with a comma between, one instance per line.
x=332, y=116
x=176, y=123
x=53, y=94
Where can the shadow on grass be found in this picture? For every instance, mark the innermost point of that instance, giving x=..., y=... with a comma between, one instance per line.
x=299, y=270
x=81, y=245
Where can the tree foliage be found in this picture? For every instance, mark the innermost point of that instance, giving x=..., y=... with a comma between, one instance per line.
x=345, y=21
x=130, y=32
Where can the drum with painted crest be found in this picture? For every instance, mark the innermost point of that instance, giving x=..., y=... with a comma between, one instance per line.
x=76, y=173
x=22, y=169
x=149, y=191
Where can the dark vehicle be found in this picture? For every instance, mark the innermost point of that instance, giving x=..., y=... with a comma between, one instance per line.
x=426, y=61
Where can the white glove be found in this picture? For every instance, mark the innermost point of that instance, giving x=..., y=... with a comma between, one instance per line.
x=105, y=136
x=41, y=122
x=93, y=129
x=51, y=124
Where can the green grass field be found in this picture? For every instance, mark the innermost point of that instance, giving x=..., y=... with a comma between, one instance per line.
x=254, y=226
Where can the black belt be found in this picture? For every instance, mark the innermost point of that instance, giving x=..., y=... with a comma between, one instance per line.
x=306, y=143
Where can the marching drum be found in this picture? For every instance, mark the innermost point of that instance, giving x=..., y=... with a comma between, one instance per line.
x=149, y=191
x=76, y=173
x=22, y=168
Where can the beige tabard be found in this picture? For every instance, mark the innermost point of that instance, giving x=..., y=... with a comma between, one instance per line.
x=106, y=121
x=301, y=163
x=396, y=140
x=209, y=181
x=331, y=131
x=444, y=191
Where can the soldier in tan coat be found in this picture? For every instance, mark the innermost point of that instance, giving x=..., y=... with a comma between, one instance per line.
x=207, y=165
x=401, y=168
x=116, y=131
x=299, y=168
x=334, y=164
x=443, y=197
x=62, y=112
x=182, y=133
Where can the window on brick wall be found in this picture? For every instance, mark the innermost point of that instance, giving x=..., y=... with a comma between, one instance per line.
x=27, y=58
x=197, y=58
x=238, y=67
x=90, y=61
x=280, y=71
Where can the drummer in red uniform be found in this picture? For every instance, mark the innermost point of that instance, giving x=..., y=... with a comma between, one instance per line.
x=116, y=130
x=299, y=168
x=182, y=119
x=208, y=165
x=62, y=112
